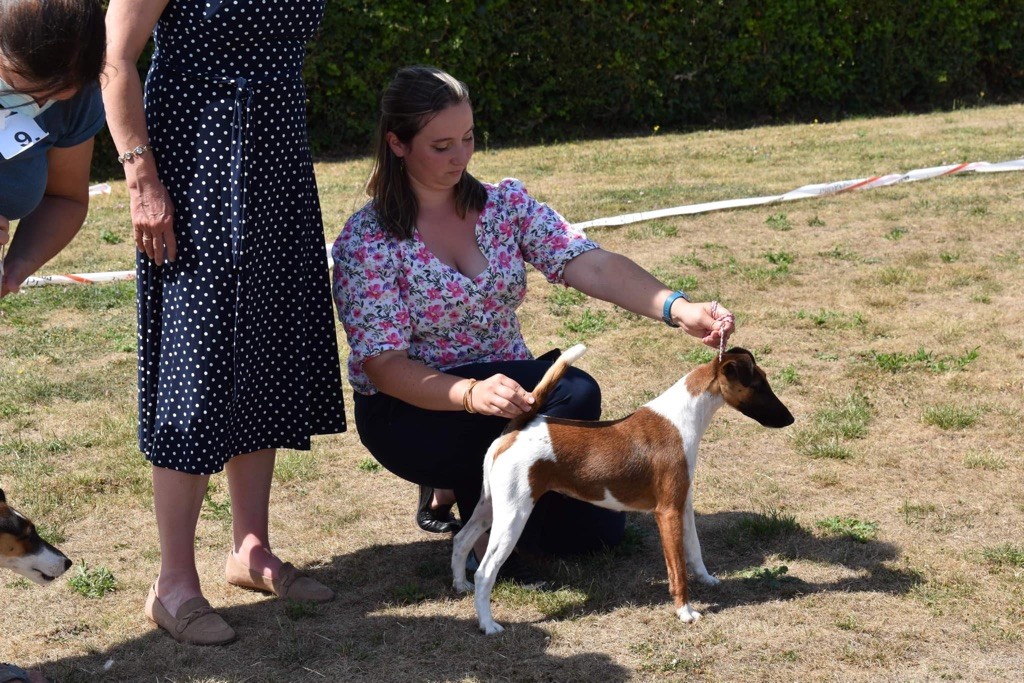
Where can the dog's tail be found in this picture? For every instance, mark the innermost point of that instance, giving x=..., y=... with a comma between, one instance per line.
x=546, y=384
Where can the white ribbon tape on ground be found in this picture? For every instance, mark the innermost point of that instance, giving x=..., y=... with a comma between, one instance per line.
x=808, y=191
x=805, y=192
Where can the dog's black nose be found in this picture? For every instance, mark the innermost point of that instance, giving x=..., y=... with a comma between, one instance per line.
x=67, y=563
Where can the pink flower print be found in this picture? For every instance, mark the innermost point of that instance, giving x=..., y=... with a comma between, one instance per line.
x=464, y=339
x=515, y=199
x=423, y=254
x=359, y=255
x=447, y=358
x=393, y=338
x=433, y=294
x=402, y=317
x=434, y=313
x=491, y=304
x=455, y=290
x=357, y=313
x=504, y=259
x=505, y=229
x=379, y=256
x=557, y=242
x=375, y=291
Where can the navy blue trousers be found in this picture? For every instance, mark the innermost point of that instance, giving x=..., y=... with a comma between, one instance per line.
x=445, y=450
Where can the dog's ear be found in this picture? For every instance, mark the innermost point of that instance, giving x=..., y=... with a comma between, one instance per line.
x=3, y=498
x=739, y=367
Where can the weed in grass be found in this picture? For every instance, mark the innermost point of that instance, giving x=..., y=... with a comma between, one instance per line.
x=110, y=237
x=369, y=465
x=984, y=461
x=587, y=324
x=949, y=257
x=760, y=529
x=693, y=260
x=213, y=509
x=850, y=527
x=92, y=583
x=830, y=449
x=562, y=300
x=292, y=467
x=408, y=594
x=778, y=221
x=815, y=222
x=779, y=258
x=896, y=234
x=897, y=361
x=301, y=609
x=893, y=277
x=839, y=253
x=787, y=376
x=1005, y=555
x=770, y=577
x=848, y=623
x=950, y=416
x=697, y=355
x=687, y=283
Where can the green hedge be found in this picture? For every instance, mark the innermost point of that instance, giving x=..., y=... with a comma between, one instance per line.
x=554, y=70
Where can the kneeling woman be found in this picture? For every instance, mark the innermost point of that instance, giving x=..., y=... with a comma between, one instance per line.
x=427, y=279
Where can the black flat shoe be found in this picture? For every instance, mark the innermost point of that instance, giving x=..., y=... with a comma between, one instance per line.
x=439, y=520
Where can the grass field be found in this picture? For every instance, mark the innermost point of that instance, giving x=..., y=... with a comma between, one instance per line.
x=877, y=539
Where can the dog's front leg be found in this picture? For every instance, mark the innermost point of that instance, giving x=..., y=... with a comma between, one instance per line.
x=694, y=557
x=670, y=525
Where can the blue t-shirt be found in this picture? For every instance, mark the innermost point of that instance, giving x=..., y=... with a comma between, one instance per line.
x=67, y=123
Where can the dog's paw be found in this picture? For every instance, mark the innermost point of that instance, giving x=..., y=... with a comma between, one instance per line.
x=463, y=586
x=687, y=614
x=491, y=628
x=707, y=579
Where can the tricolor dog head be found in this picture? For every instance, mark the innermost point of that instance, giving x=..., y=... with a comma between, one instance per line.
x=22, y=551
x=744, y=386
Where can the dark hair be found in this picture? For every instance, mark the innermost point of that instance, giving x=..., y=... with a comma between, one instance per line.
x=415, y=96
x=54, y=44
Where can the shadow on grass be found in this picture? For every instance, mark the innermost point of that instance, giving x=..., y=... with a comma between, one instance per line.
x=360, y=636
x=363, y=635
x=736, y=546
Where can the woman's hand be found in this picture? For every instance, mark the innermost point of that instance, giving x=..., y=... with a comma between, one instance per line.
x=708, y=321
x=500, y=396
x=153, y=221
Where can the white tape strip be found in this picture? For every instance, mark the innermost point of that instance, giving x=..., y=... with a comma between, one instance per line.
x=808, y=191
x=805, y=192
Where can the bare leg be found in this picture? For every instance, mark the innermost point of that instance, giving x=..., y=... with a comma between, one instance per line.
x=249, y=479
x=177, y=499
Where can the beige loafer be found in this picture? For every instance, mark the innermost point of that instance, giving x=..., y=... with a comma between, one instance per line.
x=289, y=584
x=196, y=622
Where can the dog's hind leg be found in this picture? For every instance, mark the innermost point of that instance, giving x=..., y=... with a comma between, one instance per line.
x=694, y=557
x=505, y=531
x=467, y=536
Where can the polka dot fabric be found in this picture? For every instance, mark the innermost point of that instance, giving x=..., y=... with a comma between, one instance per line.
x=237, y=345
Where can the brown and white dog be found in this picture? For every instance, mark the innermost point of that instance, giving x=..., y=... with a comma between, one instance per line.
x=643, y=462
x=23, y=551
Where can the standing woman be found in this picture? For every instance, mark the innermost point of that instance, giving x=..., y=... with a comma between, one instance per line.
x=237, y=347
x=51, y=56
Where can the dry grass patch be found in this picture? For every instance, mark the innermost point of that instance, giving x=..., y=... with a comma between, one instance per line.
x=876, y=539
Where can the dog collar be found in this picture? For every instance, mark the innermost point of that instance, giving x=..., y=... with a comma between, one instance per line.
x=666, y=310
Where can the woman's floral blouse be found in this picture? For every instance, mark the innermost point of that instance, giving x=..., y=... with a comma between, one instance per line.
x=395, y=294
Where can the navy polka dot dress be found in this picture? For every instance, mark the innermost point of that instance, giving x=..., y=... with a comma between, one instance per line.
x=237, y=345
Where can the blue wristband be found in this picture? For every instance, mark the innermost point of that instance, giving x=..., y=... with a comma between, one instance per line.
x=666, y=310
